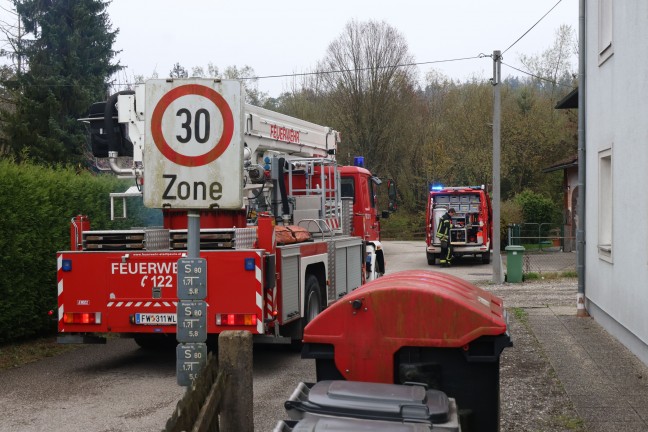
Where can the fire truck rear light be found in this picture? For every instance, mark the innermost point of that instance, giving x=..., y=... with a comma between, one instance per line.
x=82, y=317
x=236, y=319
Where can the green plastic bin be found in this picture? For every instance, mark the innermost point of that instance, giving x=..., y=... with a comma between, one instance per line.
x=514, y=256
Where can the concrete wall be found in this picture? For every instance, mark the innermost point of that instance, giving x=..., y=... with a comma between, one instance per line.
x=616, y=286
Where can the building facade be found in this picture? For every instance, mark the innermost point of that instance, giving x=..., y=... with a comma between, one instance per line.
x=616, y=157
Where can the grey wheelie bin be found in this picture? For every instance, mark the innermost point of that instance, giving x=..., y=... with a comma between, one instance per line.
x=410, y=406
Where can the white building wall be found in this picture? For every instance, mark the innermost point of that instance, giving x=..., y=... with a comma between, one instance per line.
x=616, y=287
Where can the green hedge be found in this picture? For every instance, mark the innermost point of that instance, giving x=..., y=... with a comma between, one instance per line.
x=36, y=205
x=403, y=226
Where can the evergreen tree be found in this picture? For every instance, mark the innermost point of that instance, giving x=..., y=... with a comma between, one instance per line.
x=69, y=57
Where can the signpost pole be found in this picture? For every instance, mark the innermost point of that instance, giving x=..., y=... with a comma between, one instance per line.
x=193, y=234
x=191, y=352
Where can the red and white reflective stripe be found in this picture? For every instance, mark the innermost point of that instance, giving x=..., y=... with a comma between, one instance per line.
x=138, y=304
x=274, y=240
x=59, y=274
x=269, y=304
x=259, y=294
x=333, y=224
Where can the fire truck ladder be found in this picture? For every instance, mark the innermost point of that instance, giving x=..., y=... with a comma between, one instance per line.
x=320, y=195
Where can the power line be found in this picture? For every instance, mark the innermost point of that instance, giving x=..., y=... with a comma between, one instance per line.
x=526, y=32
x=479, y=56
x=13, y=12
x=537, y=76
x=365, y=68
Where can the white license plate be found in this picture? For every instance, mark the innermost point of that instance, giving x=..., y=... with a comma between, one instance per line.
x=155, y=319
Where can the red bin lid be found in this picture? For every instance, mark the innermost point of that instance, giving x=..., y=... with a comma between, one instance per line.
x=416, y=308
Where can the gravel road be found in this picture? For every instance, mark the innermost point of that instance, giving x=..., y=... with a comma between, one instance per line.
x=119, y=387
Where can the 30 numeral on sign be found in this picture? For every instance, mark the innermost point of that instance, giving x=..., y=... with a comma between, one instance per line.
x=201, y=117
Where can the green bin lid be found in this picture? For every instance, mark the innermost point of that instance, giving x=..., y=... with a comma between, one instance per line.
x=514, y=248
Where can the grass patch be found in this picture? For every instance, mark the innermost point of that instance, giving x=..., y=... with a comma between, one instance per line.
x=403, y=226
x=574, y=424
x=520, y=314
x=20, y=353
x=549, y=275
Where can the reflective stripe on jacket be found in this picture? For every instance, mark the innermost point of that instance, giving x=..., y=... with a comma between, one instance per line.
x=443, y=230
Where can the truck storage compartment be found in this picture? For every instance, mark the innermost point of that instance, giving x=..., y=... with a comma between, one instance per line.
x=417, y=326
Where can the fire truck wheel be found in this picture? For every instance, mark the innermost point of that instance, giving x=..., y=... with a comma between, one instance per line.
x=486, y=258
x=431, y=258
x=313, y=305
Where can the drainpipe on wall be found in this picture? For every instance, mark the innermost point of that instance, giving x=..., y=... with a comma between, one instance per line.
x=580, y=232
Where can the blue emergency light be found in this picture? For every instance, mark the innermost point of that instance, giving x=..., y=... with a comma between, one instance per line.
x=358, y=161
x=249, y=264
x=435, y=187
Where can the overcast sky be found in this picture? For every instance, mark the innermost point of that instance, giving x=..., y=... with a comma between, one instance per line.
x=277, y=37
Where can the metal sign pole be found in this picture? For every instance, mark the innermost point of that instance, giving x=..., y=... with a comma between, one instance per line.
x=193, y=234
x=191, y=352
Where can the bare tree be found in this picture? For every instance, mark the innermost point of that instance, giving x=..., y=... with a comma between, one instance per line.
x=178, y=71
x=13, y=34
x=368, y=74
x=554, y=66
x=250, y=83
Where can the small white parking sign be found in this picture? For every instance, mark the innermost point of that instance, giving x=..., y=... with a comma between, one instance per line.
x=193, y=149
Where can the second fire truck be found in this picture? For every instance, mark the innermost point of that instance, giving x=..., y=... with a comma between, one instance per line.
x=472, y=226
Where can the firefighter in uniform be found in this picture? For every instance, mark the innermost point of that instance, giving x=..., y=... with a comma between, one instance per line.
x=443, y=234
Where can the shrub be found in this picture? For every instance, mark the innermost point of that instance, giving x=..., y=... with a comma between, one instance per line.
x=510, y=213
x=403, y=226
x=36, y=205
x=537, y=208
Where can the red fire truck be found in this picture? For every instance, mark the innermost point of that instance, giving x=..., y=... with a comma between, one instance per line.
x=304, y=233
x=472, y=227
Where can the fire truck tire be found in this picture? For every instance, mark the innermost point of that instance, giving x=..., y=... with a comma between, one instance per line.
x=312, y=308
x=486, y=258
x=313, y=304
x=431, y=258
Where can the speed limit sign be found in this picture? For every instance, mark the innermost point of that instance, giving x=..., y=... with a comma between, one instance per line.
x=193, y=148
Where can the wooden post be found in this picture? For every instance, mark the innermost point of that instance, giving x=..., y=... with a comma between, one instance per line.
x=235, y=360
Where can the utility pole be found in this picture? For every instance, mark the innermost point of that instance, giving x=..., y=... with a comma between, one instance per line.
x=497, y=114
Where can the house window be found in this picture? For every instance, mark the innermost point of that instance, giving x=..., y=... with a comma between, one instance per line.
x=605, y=205
x=605, y=30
